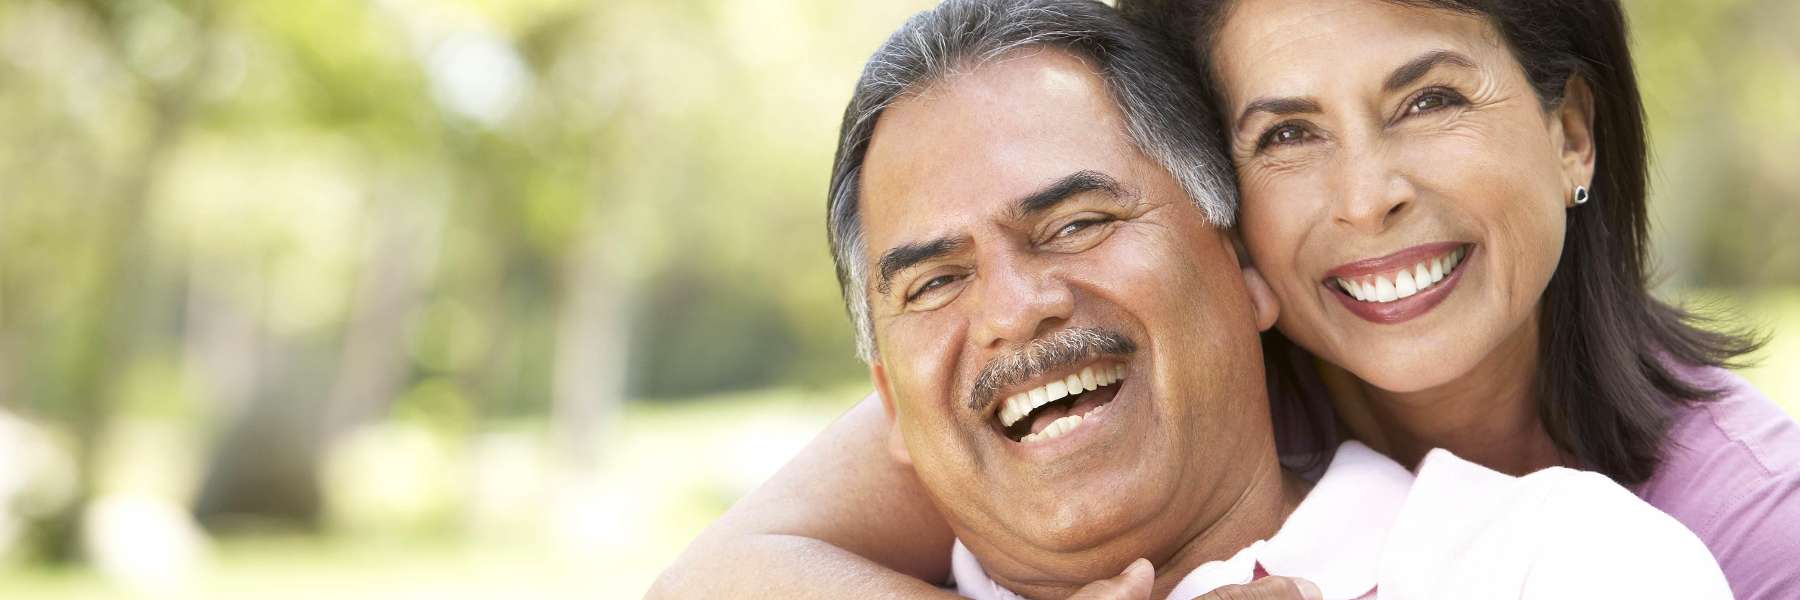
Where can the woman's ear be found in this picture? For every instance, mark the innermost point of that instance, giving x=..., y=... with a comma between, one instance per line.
x=896, y=443
x=1262, y=298
x=1574, y=135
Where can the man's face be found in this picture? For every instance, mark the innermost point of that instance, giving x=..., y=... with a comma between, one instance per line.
x=1017, y=237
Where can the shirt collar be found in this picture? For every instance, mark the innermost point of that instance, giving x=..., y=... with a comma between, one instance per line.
x=1333, y=539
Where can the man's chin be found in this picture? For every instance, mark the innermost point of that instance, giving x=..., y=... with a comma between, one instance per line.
x=1070, y=547
x=1075, y=525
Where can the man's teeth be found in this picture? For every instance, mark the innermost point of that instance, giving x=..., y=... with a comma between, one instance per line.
x=1061, y=427
x=1403, y=283
x=1089, y=379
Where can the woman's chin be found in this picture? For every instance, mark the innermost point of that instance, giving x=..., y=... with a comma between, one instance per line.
x=1416, y=360
x=1409, y=370
x=1397, y=383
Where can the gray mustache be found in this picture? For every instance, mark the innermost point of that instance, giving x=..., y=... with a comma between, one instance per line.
x=1056, y=351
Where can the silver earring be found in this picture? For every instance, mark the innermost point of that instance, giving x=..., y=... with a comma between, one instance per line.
x=1581, y=195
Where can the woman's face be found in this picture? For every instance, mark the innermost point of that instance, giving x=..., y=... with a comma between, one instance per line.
x=1404, y=190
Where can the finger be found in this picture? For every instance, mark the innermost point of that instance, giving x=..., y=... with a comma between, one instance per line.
x=1268, y=588
x=1134, y=583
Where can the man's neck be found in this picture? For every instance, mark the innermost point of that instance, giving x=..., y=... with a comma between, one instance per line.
x=1269, y=494
x=1257, y=515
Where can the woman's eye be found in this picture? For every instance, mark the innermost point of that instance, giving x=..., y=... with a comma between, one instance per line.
x=1432, y=100
x=1282, y=135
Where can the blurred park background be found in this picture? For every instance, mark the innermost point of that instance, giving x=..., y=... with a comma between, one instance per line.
x=489, y=298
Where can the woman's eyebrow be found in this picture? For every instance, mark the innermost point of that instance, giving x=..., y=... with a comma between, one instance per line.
x=1410, y=72
x=1402, y=76
x=1278, y=107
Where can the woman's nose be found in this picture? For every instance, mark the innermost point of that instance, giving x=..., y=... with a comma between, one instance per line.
x=1371, y=194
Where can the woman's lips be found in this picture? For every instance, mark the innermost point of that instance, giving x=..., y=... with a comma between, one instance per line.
x=1400, y=286
x=1394, y=262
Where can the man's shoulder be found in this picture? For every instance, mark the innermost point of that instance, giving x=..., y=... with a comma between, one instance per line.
x=1589, y=501
x=1601, y=537
x=1554, y=533
x=1459, y=504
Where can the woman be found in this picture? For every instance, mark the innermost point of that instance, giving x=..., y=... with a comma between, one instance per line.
x=1448, y=199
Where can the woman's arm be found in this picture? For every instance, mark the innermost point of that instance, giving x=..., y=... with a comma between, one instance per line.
x=841, y=520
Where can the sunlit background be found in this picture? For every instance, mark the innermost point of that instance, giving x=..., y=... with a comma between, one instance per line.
x=480, y=299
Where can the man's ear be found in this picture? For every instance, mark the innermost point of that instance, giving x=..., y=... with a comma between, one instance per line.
x=1262, y=298
x=896, y=443
x=1574, y=121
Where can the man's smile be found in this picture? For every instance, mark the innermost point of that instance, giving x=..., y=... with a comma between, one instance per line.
x=1055, y=408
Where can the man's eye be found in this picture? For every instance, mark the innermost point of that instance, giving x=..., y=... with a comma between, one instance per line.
x=1075, y=227
x=1284, y=134
x=931, y=284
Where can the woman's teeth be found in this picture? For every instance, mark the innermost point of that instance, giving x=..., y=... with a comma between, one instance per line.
x=1090, y=378
x=1403, y=283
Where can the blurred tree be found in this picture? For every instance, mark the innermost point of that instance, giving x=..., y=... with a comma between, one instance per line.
x=162, y=76
x=1721, y=84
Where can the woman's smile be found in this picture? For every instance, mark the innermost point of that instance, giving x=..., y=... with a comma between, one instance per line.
x=1398, y=165
x=1400, y=286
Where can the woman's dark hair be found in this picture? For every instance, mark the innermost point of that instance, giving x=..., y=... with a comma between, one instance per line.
x=1609, y=353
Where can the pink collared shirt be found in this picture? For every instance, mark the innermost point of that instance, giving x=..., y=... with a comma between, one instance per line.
x=1455, y=530
x=1731, y=473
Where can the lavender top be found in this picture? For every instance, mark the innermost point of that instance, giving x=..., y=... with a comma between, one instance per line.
x=1731, y=473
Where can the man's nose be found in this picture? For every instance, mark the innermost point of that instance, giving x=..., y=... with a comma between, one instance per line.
x=1371, y=194
x=1019, y=302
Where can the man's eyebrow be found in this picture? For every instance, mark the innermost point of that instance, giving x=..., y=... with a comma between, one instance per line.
x=1070, y=186
x=1278, y=107
x=1418, y=67
x=905, y=256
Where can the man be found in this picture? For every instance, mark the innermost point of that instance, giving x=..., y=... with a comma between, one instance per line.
x=1029, y=218
x=1012, y=235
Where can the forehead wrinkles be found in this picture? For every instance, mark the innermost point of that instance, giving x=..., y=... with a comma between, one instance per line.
x=975, y=142
x=1254, y=43
x=1259, y=53
x=1034, y=106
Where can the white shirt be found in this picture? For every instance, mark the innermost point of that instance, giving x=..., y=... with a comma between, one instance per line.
x=1455, y=530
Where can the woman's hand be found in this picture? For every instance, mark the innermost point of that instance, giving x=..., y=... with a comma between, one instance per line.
x=1133, y=583
x=1268, y=588
x=1136, y=581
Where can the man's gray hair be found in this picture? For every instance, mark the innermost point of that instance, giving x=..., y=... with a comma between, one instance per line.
x=1166, y=113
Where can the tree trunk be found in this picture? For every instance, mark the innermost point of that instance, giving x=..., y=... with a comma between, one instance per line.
x=266, y=469
x=590, y=350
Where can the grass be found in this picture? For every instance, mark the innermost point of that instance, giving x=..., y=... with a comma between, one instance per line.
x=669, y=469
